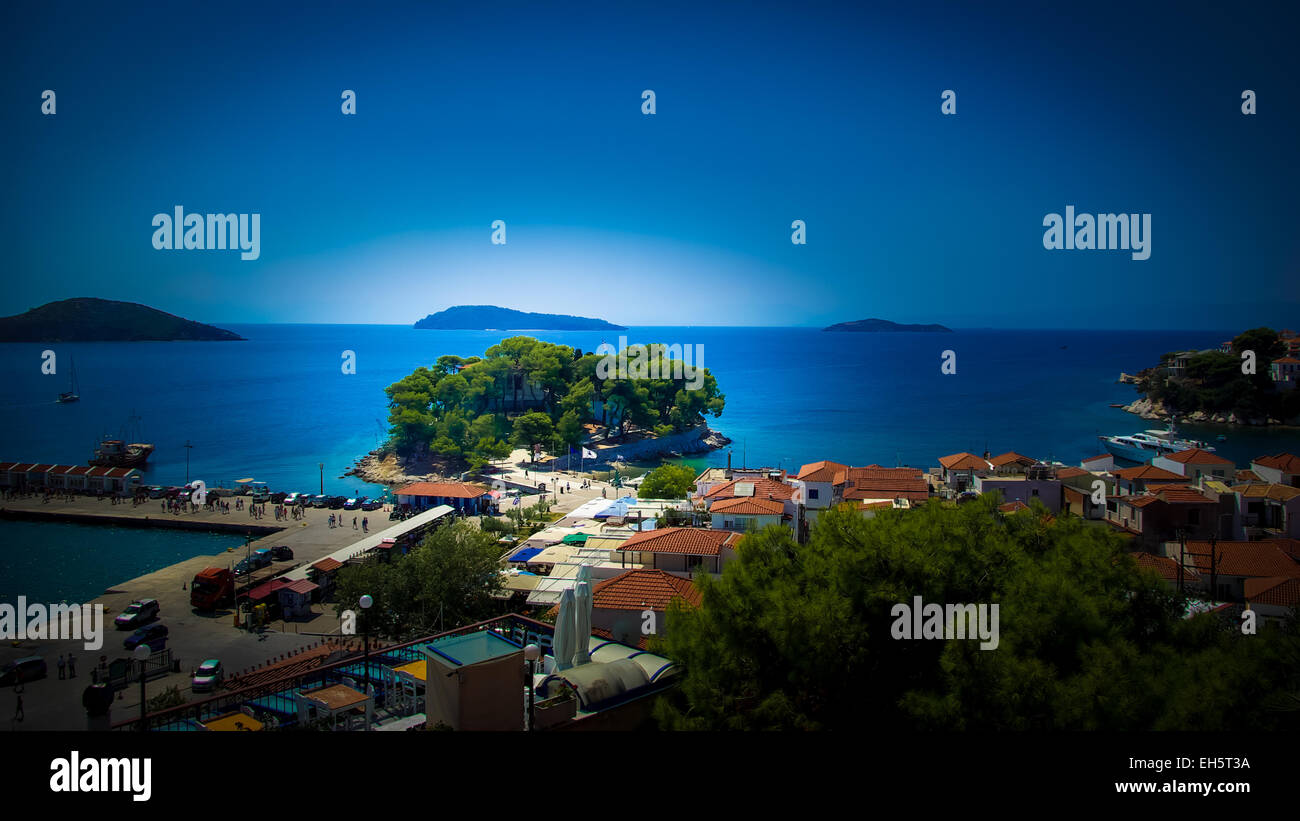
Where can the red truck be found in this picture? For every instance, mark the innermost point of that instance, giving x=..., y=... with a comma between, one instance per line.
x=211, y=588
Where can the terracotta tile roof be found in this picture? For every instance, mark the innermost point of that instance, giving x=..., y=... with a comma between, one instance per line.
x=1281, y=591
x=1071, y=472
x=328, y=565
x=823, y=471
x=763, y=489
x=1285, y=462
x=1010, y=458
x=916, y=489
x=449, y=490
x=964, y=461
x=877, y=472
x=1265, y=490
x=1182, y=494
x=1288, y=360
x=1138, y=501
x=1073, y=493
x=876, y=505
x=1196, y=456
x=1012, y=507
x=1147, y=472
x=1096, y=458
x=643, y=589
x=750, y=507
x=1259, y=559
x=694, y=541
x=1166, y=567
x=1248, y=476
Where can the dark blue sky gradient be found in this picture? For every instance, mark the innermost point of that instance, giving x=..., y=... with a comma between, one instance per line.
x=530, y=113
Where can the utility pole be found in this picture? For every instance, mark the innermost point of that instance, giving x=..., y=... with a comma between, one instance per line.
x=188, y=448
x=322, y=478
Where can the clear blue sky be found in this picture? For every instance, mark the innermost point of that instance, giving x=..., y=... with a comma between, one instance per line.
x=530, y=113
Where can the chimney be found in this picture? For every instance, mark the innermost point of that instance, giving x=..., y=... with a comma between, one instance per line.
x=728, y=460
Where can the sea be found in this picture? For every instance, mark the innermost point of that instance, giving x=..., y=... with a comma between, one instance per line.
x=280, y=408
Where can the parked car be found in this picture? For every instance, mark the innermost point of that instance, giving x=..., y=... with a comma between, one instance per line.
x=372, y=504
x=281, y=552
x=292, y=499
x=157, y=491
x=336, y=502
x=137, y=613
x=320, y=501
x=22, y=670
x=153, y=635
x=208, y=677
x=351, y=504
x=278, y=497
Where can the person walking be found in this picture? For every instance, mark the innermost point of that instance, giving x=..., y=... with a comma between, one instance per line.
x=18, y=710
x=62, y=664
x=72, y=666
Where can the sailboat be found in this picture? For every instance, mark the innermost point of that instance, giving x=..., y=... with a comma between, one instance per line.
x=71, y=395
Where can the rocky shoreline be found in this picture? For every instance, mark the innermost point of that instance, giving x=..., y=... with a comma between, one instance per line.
x=386, y=468
x=1147, y=409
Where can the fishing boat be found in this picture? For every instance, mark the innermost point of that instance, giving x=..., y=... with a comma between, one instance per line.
x=1145, y=446
x=118, y=453
x=71, y=395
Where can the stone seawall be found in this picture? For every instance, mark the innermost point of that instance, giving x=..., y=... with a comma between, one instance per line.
x=165, y=522
x=697, y=440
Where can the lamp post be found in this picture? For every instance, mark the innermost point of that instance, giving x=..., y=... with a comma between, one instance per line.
x=366, y=601
x=532, y=653
x=188, y=448
x=142, y=653
x=322, y=478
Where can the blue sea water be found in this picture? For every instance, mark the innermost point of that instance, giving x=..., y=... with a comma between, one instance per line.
x=57, y=562
x=277, y=406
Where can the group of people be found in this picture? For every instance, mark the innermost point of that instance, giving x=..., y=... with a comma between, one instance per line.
x=286, y=512
x=337, y=521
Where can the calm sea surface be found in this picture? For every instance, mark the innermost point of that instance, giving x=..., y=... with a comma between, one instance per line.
x=277, y=406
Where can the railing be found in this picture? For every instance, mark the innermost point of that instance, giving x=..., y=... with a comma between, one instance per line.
x=510, y=626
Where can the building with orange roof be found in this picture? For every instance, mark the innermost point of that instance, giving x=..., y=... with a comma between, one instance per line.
x=463, y=496
x=1196, y=465
x=1137, y=480
x=1285, y=373
x=1273, y=598
x=680, y=550
x=1267, y=510
x=1160, y=516
x=1279, y=469
x=742, y=515
x=1227, y=565
x=959, y=470
x=619, y=605
x=1011, y=462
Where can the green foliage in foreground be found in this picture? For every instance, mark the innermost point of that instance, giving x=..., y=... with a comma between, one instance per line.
x=667, y=482
x=446, y=581
x=799, y=637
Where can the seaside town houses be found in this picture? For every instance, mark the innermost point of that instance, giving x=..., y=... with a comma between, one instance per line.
x=592, y=588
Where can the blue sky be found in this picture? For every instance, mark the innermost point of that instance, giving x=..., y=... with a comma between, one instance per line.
x=531, y=113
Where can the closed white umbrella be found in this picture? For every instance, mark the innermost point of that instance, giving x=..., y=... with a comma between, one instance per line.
x=562, y=645
x=582, y=622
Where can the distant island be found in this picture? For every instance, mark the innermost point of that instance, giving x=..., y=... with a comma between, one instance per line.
x=86, y=319
x=865, y=326
x=492, y=318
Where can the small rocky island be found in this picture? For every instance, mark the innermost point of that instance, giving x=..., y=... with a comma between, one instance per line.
x=87, y=319
x=862, y=326
x=493, y=318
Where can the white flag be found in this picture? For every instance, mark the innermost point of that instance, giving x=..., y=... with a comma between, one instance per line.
x=588, y=454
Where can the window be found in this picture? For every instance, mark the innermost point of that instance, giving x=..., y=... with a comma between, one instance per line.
x=812, y=493
x=1035, y=492
x=1193, y=517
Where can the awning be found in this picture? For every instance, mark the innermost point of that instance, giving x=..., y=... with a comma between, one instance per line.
x=524, y=554
x=574, y=538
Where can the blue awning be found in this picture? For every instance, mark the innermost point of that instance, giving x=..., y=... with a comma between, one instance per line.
x=524, y=554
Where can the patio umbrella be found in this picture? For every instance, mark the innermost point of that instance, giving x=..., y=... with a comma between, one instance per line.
x=582, y=621
x=562, y=644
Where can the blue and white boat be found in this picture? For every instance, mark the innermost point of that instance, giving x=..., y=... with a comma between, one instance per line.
x=1145, y=446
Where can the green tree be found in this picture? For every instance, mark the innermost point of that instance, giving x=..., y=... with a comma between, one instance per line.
x=667, y=482
x=445, y=582
x=533, y=428
x=801, y=637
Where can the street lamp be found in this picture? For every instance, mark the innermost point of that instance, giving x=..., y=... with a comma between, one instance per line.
x=188, y=448
x=366, y=601
x=142, y=653
x=532, y=652
x=322, y=478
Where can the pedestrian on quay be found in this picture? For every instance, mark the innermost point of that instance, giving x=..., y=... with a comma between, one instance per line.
x=365, y=524
x=354, y=522
x=72, y=666
x=62, y=664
